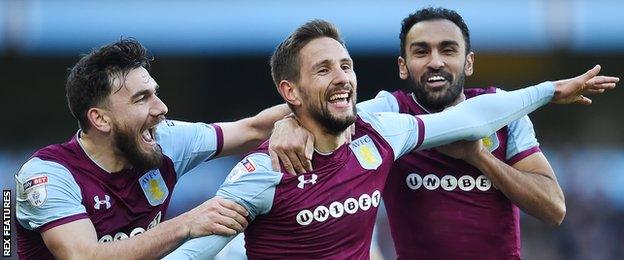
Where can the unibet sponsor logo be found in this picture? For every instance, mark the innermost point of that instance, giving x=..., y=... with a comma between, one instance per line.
x=134, y=232
x=448, y=182
x=338, y=209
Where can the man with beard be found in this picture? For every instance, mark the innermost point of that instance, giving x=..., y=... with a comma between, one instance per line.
x=102, y=194
x=329, y=212
x=440, y=207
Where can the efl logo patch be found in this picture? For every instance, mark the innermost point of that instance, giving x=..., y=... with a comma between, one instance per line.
x=491, y=142
x=247, y=165
x=154, y=187
x=366, y=152
x=35, y=190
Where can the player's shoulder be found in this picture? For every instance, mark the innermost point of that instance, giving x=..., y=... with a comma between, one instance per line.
x=37, y=166
x=473, y=92
x=172, y=129
x=381, y=119
x=255, y=167
x=37, y=174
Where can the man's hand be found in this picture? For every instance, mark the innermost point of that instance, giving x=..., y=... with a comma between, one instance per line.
x=215, y=216
x=349, y=133
x=573, y=90
x=463, y=150
x=291, y=144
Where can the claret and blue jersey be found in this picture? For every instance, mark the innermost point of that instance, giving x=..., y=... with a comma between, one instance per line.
x=61, y=184
x=329, y=213
x=433, y=200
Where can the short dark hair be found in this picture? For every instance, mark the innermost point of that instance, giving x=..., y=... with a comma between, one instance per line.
x=90, y=81
x=428, y=14
x=285, y=63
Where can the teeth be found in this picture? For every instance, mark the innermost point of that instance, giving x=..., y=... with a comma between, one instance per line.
x=147, y=135
x=436, y=78
x=338, y=96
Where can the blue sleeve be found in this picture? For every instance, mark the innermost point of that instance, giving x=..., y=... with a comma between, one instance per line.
x=251, y=184
x=520, y=137
x=383, y=102
x=402, y=131
x=46, y=192
x=188, y=144
x=483, y=115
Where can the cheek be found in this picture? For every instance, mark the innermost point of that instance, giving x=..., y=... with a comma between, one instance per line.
x=416, y=67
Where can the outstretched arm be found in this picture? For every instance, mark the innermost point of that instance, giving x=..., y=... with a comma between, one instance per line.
x=481, y=116
x=78, y=239
x=242, y=135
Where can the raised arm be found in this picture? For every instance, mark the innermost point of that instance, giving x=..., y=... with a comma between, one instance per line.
x=243, y=135
x=481, y=116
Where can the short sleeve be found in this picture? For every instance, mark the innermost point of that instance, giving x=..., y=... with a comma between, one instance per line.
x=402, y=131
x=188, y=144
x=383, y=102
x=252, y=184
x=47, y=196
x=521, y=141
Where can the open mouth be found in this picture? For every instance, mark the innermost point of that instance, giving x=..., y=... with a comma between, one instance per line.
x=340, y=99
x=436, y=81
x=148, y=135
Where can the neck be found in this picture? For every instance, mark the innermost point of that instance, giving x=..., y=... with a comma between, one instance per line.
x=324, y=142
x=459, y=99
x=102, y=151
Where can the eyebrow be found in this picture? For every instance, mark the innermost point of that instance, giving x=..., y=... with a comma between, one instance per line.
x=443, y=44
x=144, y=92
x=327, y=61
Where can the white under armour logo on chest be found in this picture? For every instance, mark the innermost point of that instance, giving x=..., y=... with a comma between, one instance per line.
x=99, y=203
x=303, y=180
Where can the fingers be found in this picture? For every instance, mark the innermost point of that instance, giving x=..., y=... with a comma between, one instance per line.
x=274, y=160
x=350, y=133
x=583, y=100
x=230, y=223
x=286, y=163
x=593, y=91
x=591, y=73
x=219, y=229
x=309, y=151
x=231, y=205
x=603, y=79
x=296, y=163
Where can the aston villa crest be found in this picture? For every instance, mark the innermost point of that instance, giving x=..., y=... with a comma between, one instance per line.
x=491, y=142
x=154, y=187
x=366, y=152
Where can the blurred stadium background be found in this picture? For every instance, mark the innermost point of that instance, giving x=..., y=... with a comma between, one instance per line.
x=211, y=61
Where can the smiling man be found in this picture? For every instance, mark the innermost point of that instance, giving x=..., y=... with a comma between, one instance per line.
x=433, y=199
x=103, y=194
x=329, y=212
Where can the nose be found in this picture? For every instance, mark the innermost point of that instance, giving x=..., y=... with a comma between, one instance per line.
x=341, y=78
x=436, y=61
x=159, y=108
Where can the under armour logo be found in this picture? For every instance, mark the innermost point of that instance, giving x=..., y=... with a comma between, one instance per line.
x=99, y=202
x=303, y=181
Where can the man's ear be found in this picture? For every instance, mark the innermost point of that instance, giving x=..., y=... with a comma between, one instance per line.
x=403, y=72
x=469, y=66
x=289, y=92
x=100, y=119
